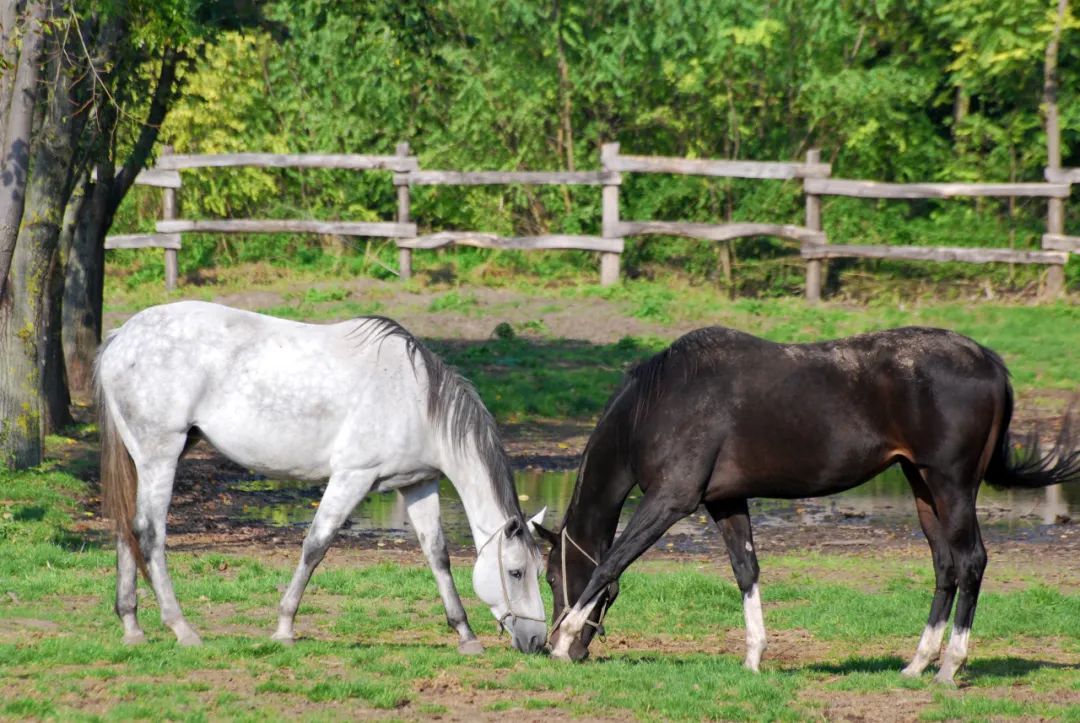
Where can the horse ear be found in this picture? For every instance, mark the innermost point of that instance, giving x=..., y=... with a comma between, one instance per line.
x=537, y=519
x=552, y=538
x=514, y=527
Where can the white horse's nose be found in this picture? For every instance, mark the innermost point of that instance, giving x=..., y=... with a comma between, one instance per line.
x=529, y=637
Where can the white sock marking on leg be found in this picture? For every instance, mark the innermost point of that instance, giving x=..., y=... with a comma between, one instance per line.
x=929, y=647
x=755, y=628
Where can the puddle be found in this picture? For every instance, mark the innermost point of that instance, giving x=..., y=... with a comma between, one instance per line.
x=884, y=502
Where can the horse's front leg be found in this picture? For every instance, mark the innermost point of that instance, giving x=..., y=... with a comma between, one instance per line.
x=653, y=517
x=422, y=505
x=343, y=493
x=733, y=518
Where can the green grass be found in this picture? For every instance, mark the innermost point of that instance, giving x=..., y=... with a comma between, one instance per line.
x=380, y=642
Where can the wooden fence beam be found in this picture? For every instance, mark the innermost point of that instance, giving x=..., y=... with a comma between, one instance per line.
x=1062, y=175
x=718, y=232
x=525, y=178
x=341, y=228
x=874, y=189
x=168, y=241
x=494, y=241
x=1060, y=242
x=776, y=170
x=932, y=253
x=348, y=161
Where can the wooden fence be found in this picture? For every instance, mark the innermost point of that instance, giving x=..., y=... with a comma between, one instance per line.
x=814, y=246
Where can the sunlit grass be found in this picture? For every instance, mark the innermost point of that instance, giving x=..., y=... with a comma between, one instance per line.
x=376, y=638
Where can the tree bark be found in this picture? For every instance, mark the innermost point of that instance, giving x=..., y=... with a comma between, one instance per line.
x=84, y=283
x=24, y=317
x=9, y=56
x=15, y=155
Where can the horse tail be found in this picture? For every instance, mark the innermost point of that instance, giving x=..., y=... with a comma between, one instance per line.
x=119, y=480
x=1024, y=464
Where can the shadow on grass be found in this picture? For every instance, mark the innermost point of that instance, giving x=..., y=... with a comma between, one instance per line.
x=1011, y=667
x=526, y=378
x=985, y=669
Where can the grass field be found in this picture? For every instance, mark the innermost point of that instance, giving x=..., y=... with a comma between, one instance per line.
x=374, y=641
x=373, y=638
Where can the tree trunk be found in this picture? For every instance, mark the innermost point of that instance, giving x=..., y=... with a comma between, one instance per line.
x=9, y=56
x=84, y=282
x=57, y=397
x=24, y=319
x=15, y=154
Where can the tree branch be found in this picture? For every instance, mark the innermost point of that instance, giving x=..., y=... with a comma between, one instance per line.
x=159, y=106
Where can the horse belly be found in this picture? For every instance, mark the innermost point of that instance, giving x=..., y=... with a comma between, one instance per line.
x=273, y=447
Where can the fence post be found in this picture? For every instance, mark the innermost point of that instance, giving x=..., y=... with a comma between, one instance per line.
x=609, y=261
x=168, y=213
x=813, y=222
x=403, y=201
x=1055, y=224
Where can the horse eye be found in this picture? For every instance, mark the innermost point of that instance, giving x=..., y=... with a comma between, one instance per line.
x=516, y=574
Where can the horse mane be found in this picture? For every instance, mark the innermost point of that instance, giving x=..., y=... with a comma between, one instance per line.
x=685, y=357
x=453, y=407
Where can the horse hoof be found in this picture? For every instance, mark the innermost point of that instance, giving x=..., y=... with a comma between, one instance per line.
x=470, y=647
x=287, y=640
x=189, y=641
x=134, y=638
x=945, y=680
x=910, y=672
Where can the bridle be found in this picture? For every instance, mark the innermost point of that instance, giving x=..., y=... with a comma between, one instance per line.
x=599, y=624
x=500, y=533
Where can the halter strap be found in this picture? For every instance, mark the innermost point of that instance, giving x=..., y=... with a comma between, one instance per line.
x=499, y=533
x=565, y=591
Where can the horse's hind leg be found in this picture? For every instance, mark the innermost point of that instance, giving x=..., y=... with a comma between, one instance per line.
x=961, y=528
x=944, y=574
x=127, y=573
x=422, y=505
x=343, y=493
x=156, y=475
x=733, y=517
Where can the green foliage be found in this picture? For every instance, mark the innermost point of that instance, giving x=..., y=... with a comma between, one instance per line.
x=931, y=90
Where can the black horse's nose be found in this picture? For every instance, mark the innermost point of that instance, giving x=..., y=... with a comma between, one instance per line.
x=536, y=643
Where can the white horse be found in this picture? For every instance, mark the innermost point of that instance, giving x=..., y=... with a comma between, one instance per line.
x=361, y=403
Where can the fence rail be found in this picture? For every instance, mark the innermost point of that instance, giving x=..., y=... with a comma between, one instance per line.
x=814, y=245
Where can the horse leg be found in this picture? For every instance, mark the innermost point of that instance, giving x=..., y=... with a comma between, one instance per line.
x=733, y=518
x=156, y=477
x=653, y=517
x=944, y=573
x=126, y=601
x=343, y=492
x=422, y=506
x=962, y=531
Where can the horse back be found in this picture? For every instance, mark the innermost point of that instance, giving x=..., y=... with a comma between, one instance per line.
x=753, y=418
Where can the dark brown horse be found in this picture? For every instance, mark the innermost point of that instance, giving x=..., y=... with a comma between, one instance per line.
x=721, y=416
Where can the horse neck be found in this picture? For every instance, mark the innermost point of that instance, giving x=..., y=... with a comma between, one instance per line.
x=605, y=480
x=474, y=484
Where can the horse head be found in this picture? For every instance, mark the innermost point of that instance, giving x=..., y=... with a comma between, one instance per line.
x=569, y=569
x=506, y=578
